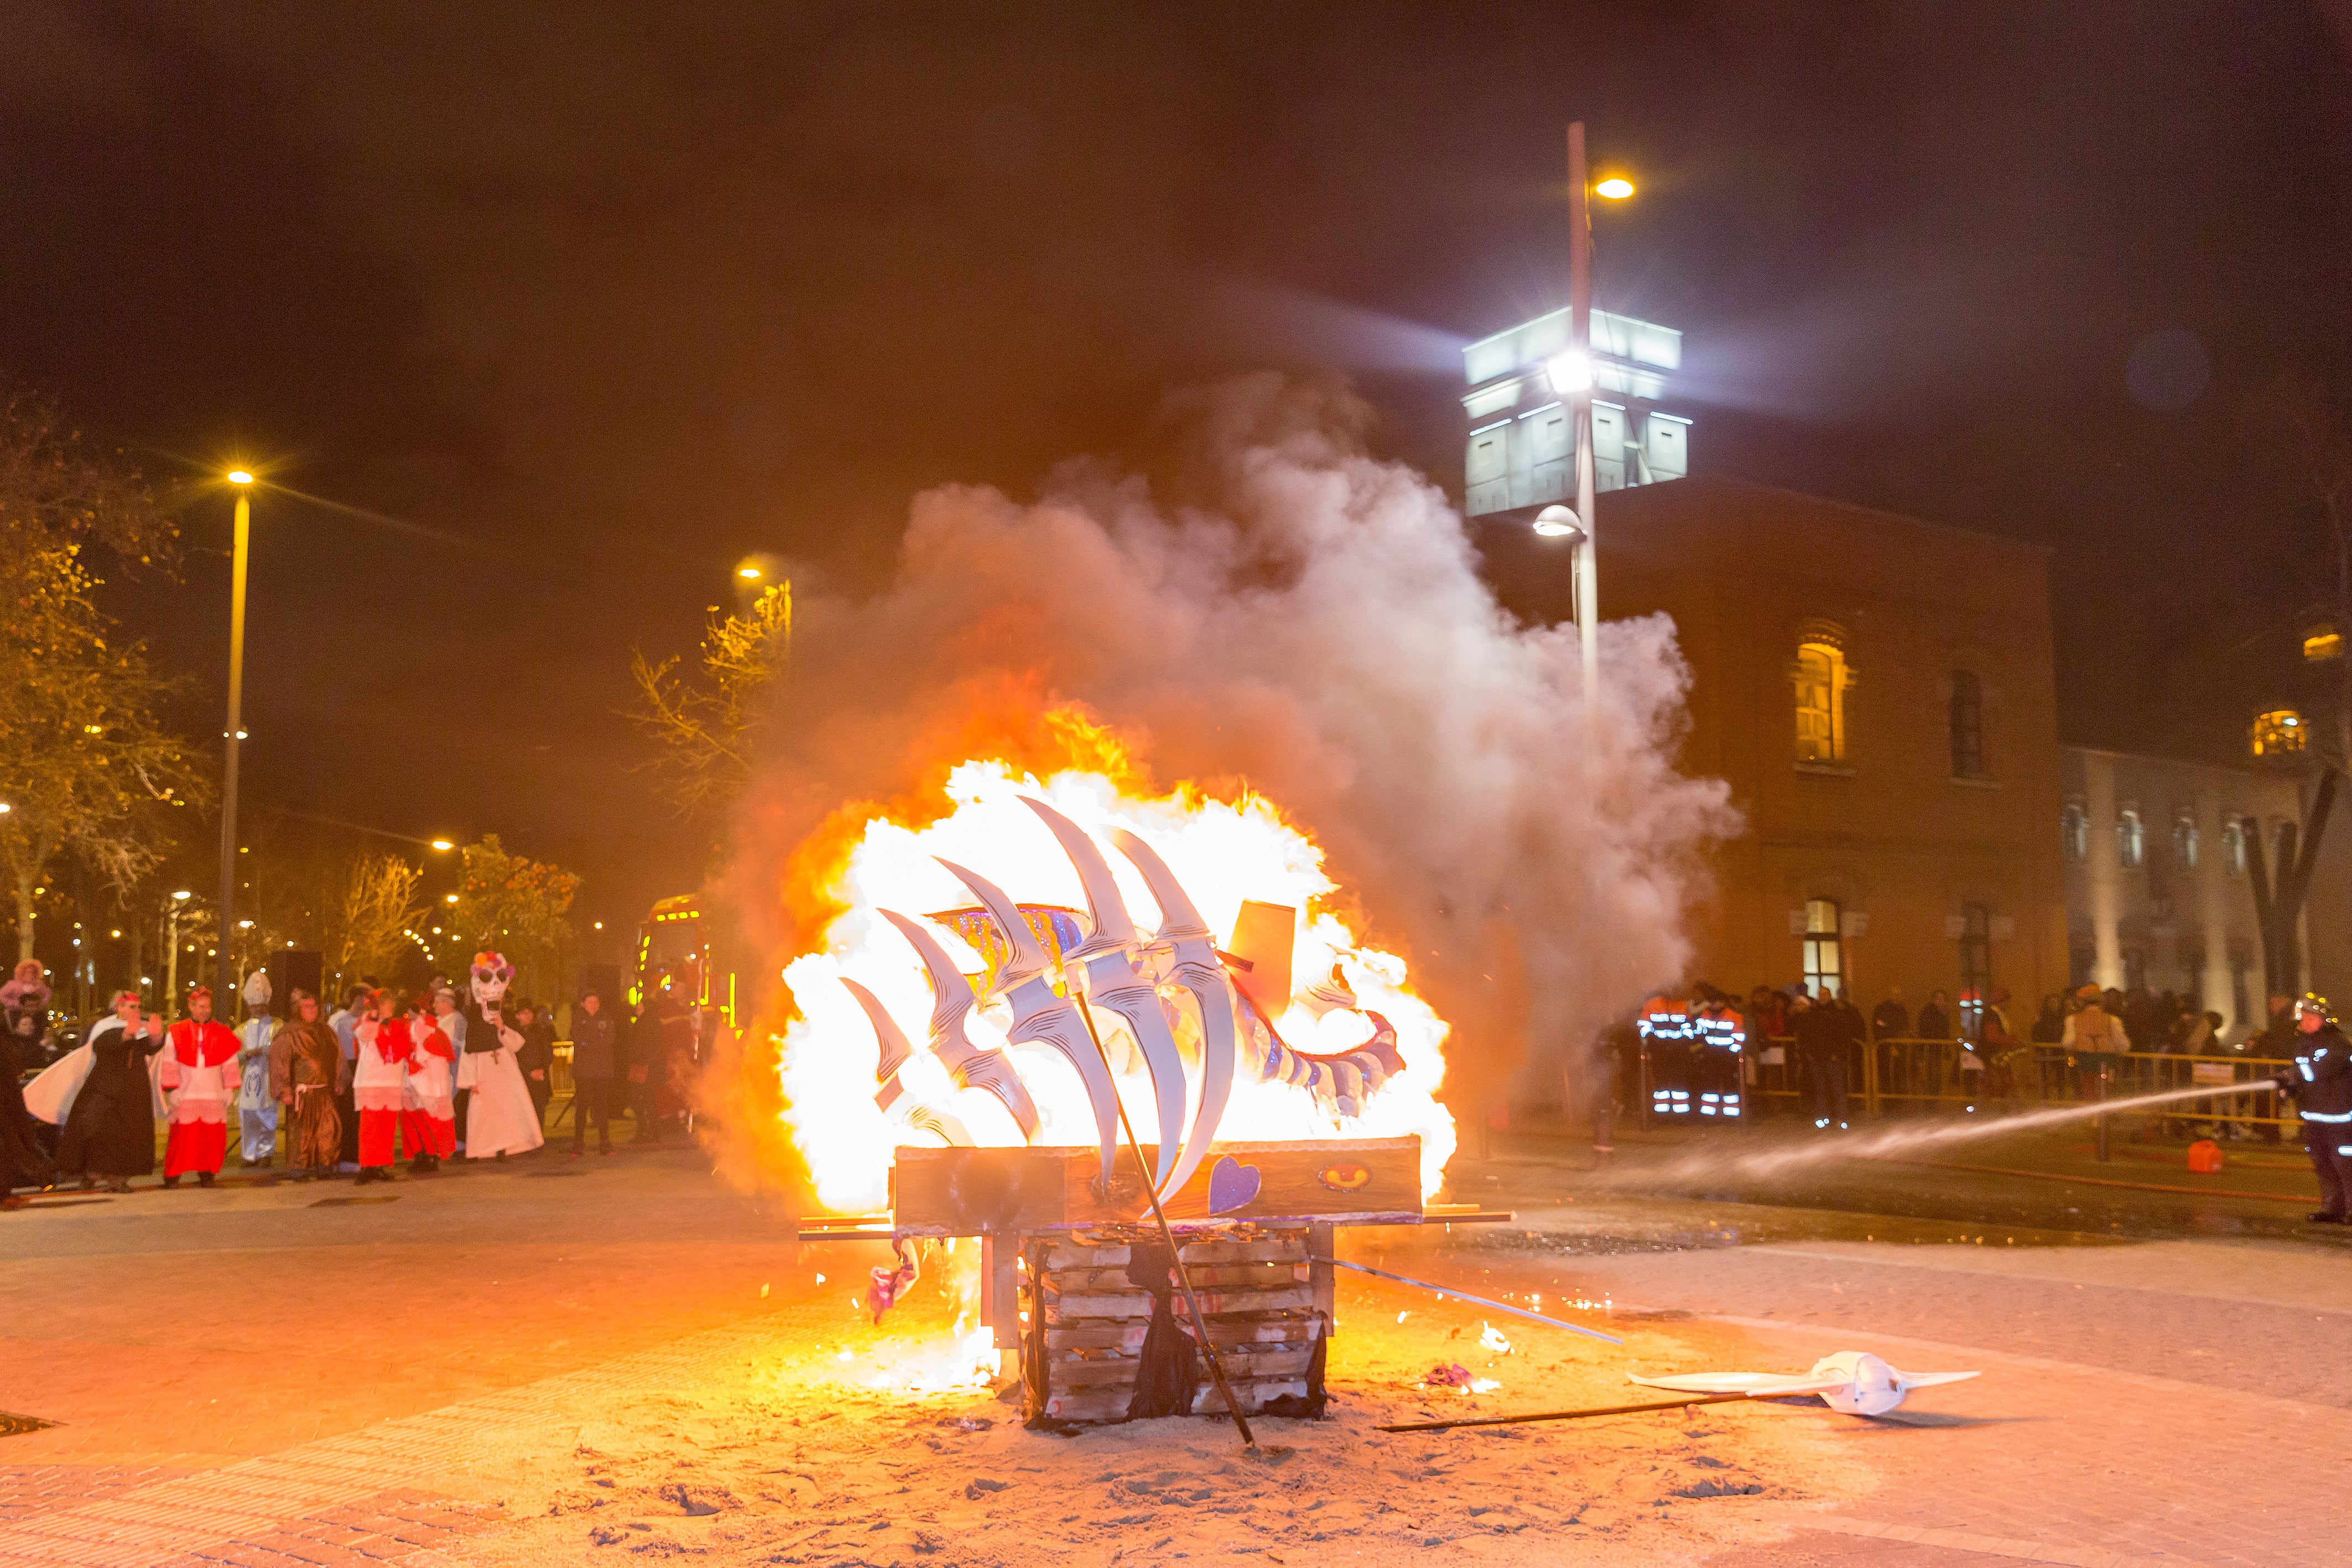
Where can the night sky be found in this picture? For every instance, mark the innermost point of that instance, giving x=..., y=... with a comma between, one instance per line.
x=577, y=304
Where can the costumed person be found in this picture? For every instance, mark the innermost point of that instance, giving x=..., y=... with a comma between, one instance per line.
x=593, y=1062
x=256, y=1107
x=386, y=1051
x=429, y=1125
x=23, y=1016
x=499, y=1119
x=2096, y=1037
x=109, y=1116
x=305, y=1060
x=2321, y=1083
x=200, y=1082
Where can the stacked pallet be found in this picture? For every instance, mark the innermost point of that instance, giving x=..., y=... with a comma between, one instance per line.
x=1088, y=1299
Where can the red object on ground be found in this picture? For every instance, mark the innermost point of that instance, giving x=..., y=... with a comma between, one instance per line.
x=2205, y=1156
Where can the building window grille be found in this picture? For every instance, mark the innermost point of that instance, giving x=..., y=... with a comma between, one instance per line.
x=1968, y=725
x=2238, y=984
x=2278, y=732
x=2131, y=838
x=2184, y=839
x=2074, y=828
x=1825, y=948
x=2234, y=846
x=1976, y=968
x=1822, y=678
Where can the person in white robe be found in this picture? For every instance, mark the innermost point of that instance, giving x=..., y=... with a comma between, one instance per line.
x=500, y=1119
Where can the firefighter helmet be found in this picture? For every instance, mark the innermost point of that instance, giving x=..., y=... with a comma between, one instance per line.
x=2311, y=1003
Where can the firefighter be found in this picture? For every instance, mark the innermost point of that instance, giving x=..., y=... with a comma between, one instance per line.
x=2321, y=1083
x=1718, y=1043
x=1664, y=1025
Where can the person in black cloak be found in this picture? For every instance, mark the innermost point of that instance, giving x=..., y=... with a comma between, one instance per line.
x=109, y=1133
x=24, y=1016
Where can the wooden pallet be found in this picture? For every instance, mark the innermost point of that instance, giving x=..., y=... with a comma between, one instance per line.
x=1088, y=1304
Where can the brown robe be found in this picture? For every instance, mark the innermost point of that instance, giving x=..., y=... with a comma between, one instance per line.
x=303, y=1057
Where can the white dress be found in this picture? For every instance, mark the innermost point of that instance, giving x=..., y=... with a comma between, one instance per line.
x=500, y=1117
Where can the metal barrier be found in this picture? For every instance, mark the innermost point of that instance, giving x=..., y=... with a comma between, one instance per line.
x=1904, y=1073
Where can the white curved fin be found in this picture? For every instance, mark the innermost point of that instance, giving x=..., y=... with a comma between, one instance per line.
x=952, y=1003
x=1114, y=927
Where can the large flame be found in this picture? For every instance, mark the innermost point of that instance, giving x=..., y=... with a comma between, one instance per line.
x=1222, y=852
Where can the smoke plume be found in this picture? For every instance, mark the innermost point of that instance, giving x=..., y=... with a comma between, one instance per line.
x=1312, y=626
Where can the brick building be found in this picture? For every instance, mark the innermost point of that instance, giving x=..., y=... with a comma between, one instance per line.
x=1879, y=693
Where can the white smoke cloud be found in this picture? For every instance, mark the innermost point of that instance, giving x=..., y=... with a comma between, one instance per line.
x=1315, y=627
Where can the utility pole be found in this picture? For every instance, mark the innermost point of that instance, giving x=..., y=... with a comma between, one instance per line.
x=1580, y=346
x=225, y=968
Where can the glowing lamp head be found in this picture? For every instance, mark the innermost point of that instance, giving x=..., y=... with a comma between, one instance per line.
x=182, y=895
x=443, y=844
x=1571, y=372
x=1616, y=188
x=240, y=476
x=749, y=574
x=1558, y=523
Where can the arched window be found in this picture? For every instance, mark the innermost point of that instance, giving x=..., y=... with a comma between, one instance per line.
x=1822, y=677
x=2234, y=846
x=2278, y=732
x=2131, y=838
x=2074, y=829
x=2184, y=839
x=1968, y=725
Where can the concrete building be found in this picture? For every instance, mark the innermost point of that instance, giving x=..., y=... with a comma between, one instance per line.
x=2157, y=878
x=1522, y=453
x=1879, y=693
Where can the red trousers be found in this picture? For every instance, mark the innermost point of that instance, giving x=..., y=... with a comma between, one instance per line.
x=376, y=1131
x=424, y=1134
x=195, y=1147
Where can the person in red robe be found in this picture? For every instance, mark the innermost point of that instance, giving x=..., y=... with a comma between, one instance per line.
x=199, y=1074
x=429, y=1127
x=385, y=1053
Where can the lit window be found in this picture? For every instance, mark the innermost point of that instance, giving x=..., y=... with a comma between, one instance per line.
x=2131, y=838
x=2075, y=829
x=2322, y=642
x=1822, y=678
x=2234, y=846
x=1825, y=956
x=2278, y=732
x=2184, y=839
x=1968, y=725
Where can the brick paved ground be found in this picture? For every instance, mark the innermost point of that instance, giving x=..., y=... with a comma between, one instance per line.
x=510, y=1371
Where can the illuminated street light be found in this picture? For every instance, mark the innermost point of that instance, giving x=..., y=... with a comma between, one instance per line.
x=1571, y=372
x=450, y=898
x=1558, y=523
x=1616, y=188
x=184, y=894
x=443, y=844
x=749, y=574
x=240, y=476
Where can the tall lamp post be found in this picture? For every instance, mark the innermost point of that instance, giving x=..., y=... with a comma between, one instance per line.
x=172, y=962
x=225, y=969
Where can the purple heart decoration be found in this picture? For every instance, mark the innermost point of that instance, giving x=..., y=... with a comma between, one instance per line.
x=1232, y=1184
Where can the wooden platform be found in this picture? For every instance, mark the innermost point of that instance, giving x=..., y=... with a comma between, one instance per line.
x=1100, y=1317
x=1028, y=1191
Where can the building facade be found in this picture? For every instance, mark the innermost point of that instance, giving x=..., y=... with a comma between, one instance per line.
x=1878, y=691
x=2160, y=880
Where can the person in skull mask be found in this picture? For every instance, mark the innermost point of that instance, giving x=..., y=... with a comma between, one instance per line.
x=500, y=1117
x=2321, y=1083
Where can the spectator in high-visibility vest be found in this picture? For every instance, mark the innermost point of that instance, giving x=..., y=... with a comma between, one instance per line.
x=1665, y=1024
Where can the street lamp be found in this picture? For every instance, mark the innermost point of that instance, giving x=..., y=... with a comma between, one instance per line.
x=444, y=845
x=172, y=964
x=224, y=980
x=1571, y=377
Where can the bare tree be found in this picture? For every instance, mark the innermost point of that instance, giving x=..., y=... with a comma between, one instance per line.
x=368, y=925
x=518, y=906
x=699, y=719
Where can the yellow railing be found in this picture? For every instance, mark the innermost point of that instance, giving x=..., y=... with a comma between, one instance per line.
x=1900, y=1074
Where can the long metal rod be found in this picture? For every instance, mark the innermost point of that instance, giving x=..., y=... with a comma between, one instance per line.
x=225, y=965
x=1562, y=1414
x=1175, y=1253
x=1445, y=1290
